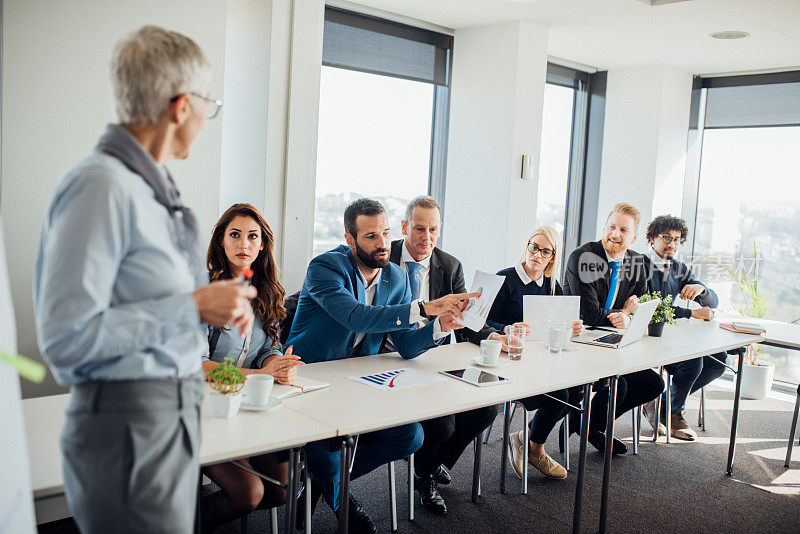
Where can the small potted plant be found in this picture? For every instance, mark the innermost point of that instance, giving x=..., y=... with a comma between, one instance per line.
x=227, y=381
x=664, y=313
x=757, y=374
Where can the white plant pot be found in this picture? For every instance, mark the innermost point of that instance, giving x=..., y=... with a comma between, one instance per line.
x=224, y=406
x=757, y=379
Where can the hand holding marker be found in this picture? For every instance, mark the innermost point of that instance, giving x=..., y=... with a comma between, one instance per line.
x=245, y=277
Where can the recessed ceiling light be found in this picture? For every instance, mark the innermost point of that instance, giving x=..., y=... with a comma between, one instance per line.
x=729, y=35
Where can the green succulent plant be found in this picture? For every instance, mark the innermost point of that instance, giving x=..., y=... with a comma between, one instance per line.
x=226, y=378
x=664, y=312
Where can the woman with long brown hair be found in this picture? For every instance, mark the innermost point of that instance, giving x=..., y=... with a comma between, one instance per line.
x=242, y=240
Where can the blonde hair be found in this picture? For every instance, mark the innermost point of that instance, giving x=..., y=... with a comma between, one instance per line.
x=551, y=234
x=626, y=209
x=151, y=66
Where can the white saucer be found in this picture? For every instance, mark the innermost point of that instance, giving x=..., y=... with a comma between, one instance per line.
x=272, y=404
x=477, y=360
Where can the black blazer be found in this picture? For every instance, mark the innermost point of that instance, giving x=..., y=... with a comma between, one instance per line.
x=681, y=276
x=446, y=276
x=589, y=275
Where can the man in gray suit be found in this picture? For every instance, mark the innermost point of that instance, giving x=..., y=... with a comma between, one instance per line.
x=432, y=274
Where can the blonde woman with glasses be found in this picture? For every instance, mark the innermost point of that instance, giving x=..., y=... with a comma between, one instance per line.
x=533, y=275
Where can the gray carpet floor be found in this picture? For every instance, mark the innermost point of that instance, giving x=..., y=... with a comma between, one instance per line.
x=675, y=487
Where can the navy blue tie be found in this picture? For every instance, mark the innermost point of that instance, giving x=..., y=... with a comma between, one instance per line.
x=413, y=268
x=612, y=286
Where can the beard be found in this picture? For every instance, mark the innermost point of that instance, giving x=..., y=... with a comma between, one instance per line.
x=613, y=248
x=370, y=260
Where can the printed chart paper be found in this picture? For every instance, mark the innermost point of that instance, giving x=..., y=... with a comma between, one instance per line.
x=477, y=309
x=537, y=310
x=397, y=379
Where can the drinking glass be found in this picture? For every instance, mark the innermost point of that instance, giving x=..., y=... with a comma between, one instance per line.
x=556, y=332
x=516, y=341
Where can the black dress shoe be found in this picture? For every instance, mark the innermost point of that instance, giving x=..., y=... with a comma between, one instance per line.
x=316, y=493
x=442, y=476
x=598, y=441
x=358, y=520
x=429, y=495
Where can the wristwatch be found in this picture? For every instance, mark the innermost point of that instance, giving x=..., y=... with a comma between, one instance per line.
x=422, y=309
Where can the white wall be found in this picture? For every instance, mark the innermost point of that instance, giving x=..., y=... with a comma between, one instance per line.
x=495, y=116
x=244, y=118
x=56, y=102
x=644, y=142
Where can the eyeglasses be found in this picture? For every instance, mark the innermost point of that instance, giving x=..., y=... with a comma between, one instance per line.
x=213, y=105
x=669, y=239
x=533, y=248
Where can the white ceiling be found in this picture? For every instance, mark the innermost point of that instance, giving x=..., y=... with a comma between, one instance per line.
x=629, y=33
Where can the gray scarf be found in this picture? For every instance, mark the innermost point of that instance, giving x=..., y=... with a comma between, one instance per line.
x=118, y=142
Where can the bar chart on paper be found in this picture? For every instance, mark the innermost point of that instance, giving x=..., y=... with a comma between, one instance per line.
x=397, y=379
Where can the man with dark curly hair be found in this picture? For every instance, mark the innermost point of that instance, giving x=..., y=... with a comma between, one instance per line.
x=672, y=277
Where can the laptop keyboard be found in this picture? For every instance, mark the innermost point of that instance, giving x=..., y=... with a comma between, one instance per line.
x=611, y=339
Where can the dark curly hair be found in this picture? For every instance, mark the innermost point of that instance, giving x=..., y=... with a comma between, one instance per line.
x=269, y=302
x=666, y=223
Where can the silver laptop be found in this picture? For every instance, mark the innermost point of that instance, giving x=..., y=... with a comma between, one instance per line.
x=632, y=334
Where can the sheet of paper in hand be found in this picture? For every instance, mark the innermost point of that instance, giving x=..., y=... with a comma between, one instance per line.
x=537, y=310
x=397, y=379
x=477, y=309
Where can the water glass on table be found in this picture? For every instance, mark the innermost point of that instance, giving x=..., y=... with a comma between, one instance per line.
x=516, y=341
x=556, y=334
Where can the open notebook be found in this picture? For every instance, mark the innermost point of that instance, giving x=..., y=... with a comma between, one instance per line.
x=301, y=385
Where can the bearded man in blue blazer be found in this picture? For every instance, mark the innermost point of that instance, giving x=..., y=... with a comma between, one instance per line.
x=352, y=298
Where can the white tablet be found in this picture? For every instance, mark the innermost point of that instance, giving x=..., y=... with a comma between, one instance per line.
x=476, y=377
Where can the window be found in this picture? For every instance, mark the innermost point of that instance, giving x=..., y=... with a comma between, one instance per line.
x=563, y=152
x=382, y=119
x=748, y=199
x=555, y=154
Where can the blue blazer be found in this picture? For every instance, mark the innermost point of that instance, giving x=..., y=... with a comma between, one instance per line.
x=331, y=311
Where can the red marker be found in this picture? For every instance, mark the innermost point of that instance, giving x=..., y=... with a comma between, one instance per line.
x=245, y=277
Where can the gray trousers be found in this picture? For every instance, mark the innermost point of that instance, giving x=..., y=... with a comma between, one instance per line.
x=130, y=452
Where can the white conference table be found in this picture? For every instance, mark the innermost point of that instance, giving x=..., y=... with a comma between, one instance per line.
x=355, y=408
x=244, y=435
x=688, y=339
x=349, y=408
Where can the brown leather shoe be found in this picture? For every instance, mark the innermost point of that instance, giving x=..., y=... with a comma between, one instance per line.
x=680, y=429
x=547, y=466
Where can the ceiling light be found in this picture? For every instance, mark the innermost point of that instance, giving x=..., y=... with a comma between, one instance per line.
x=729, y=35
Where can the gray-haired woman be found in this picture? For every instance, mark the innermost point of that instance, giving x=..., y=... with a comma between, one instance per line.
x=116, y=300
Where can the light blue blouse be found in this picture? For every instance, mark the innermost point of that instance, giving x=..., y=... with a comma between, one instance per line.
x=230, y=345
x=112, y=289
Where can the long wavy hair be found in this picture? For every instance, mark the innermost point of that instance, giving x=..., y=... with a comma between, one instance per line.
x=269, y=302
x=551, y=234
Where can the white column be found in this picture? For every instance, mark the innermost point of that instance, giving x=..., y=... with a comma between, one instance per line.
x=644, y=142
x=499, y=75
x=293, y=116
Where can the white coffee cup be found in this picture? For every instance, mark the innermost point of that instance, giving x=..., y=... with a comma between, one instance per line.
x=490, y=350
x=257, y=388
